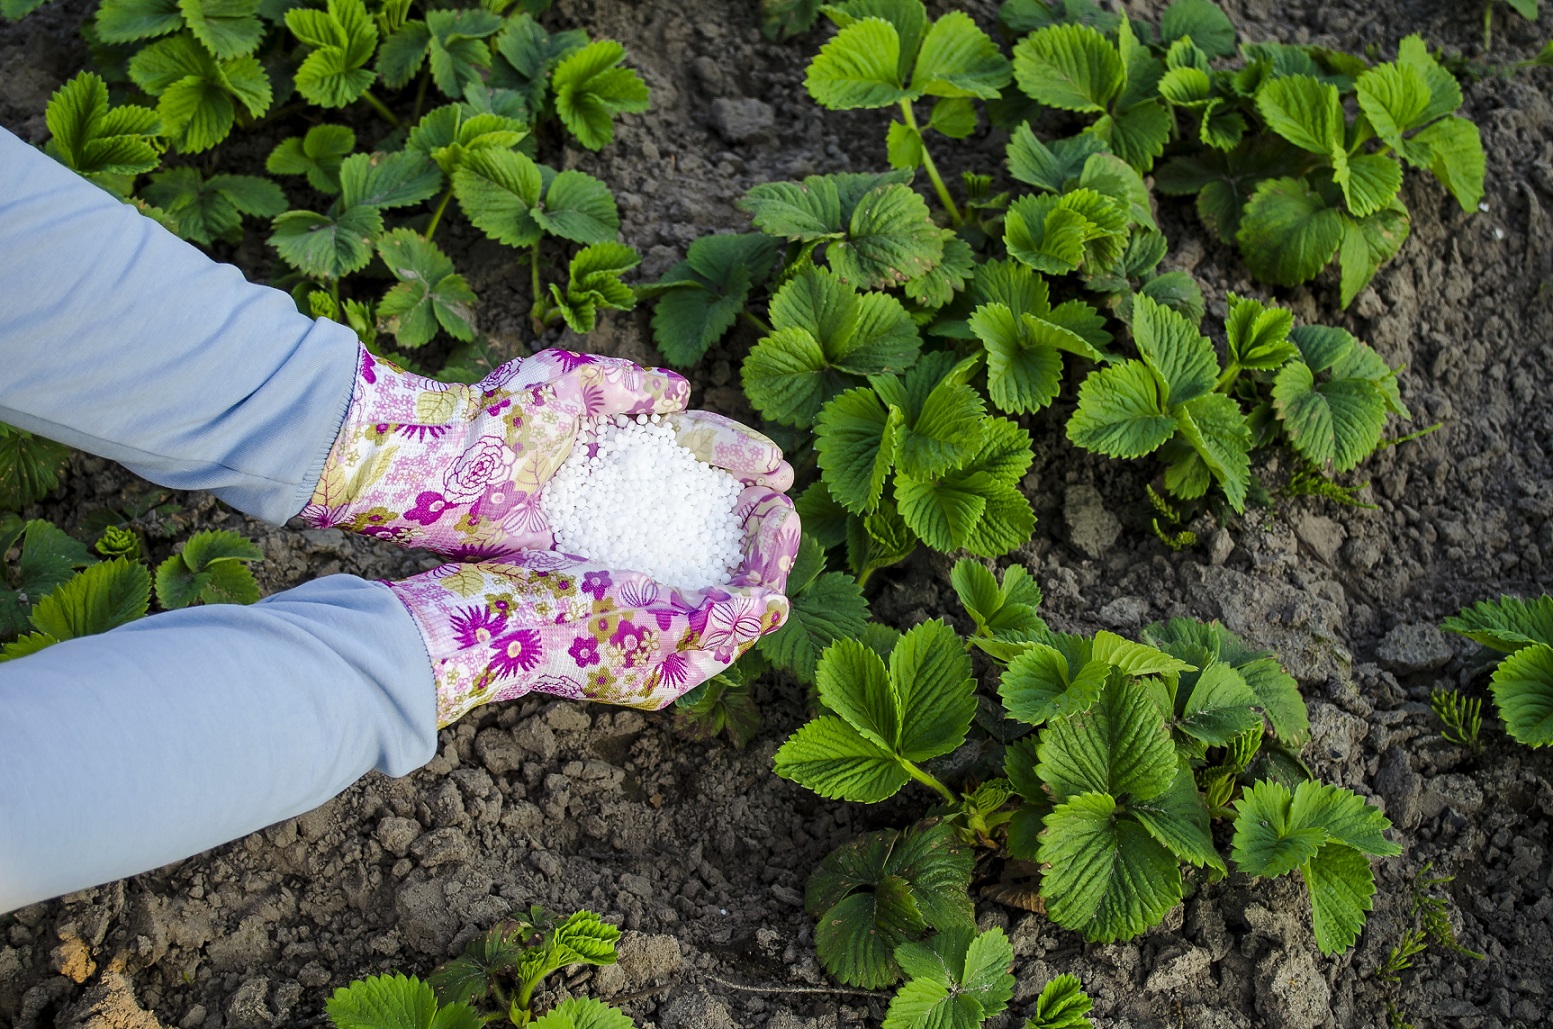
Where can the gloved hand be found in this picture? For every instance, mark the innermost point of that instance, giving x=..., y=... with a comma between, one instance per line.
x=457, y=469
x=543, y=621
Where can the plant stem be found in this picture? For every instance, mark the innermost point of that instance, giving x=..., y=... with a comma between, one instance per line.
x=420, y=95
x=762, y=327
x=932, y=169
x=927, y=780
x=378, y=106
x=538, y=311
x=1488, y=26
x=1228, y=378
x=524, y=1002
x=436, y=215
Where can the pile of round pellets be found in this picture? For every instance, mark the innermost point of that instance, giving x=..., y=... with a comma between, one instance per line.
x=641, y=502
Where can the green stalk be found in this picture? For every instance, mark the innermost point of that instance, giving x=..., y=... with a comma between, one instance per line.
x=1228, y=378
x=378, y=106
x=1488, y=26
x=927, y=780
x=539, y=311
x=420, y=94
x=760, y=326
x=436, y=215
x=932, y=169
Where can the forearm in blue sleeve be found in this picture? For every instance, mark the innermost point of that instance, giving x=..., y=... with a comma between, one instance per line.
x=120, y=339
x=123, y=752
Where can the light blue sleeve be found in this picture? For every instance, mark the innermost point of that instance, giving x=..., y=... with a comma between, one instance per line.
x=123, y=752
x=122, y=340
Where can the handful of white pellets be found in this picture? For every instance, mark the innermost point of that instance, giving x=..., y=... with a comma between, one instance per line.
x=643, y=503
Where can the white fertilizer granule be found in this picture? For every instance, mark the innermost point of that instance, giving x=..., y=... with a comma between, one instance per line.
x=644, y=503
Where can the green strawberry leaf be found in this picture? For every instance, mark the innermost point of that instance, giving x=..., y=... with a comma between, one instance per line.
x=591, y=88
x=1072, y=67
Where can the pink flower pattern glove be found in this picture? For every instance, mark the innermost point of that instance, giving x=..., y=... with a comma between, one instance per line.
x=457, y=469
x=543, y=621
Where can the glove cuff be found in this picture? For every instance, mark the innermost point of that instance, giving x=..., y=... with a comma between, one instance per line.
x=548, y=623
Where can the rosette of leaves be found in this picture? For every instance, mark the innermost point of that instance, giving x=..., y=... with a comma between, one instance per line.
x=200, y=94
x=105, y=144
x=1004, y=613
x=341, y=39
x=1333, y=397
x=29, y=467
x=956, y=470
x=825, y=336
x=47, y=558
x=1305, y=182
x=873, y=231
x=1168, y=399
x=449, y=133
x=887, y=53
x=523, y=56
x=1325, y=832
x=1237, y=716
x=699, y=298
x=429, y=295
x=1522, y=683
x=206, y=209
x=500, y=970
x=328, y=246
x=1059, y=674
x=885, y=720
x=1075, y=67
x=449, y=43
x=1062, y=1004
x=1025, y=336
x=957, y=979
x=590, y=87
x=825, y=607
x=593, y=284
x=1125, y=813
x=882, y=890
x=212, y=568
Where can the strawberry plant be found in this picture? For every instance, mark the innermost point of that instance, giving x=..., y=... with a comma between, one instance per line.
x=1522, y=683
x=1136, y=748
x=888, y=54
x=957, y=979
x=1062, y=1004
x=58, y=591
x=499, y=971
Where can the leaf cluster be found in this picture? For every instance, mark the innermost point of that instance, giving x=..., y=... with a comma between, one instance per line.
x=57, y=590
x=29, y=467
x=500, y=970
x=1522, y=682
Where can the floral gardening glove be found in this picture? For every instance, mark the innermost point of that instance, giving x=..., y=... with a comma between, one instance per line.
x=457, y=469
x=543, y=621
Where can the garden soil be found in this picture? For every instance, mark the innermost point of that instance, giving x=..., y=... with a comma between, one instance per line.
x=700, y=853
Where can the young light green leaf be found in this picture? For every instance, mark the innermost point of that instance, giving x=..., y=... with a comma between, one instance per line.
x=1507, y=624
x=958, y=59
x=1523, y=692
x=525, y=55
x=1444, y=91
x=106, y=145
x=1394, y=98
x=580, y=208
x=195, y=92
x=1369, y=243
x=956, y=980
x=1120, y=412
x=102, y=597
x=1039, y=685
x=1137, y=134
x=1119, y=745
x=1369, y=181
x=456, y=47
x=1455, y=156
x=834, y=760
x=343, y=38
x=860, y=67
x=1217, y=430
x=593, y=284
x=1178, y=819
x=1337, y=422
x=1181, y=358
x=947, y=430
x=1062, y=1004
x=1305, y=111
x=211, y=569
x=930, y=674
x=1341, y=885
x=1268, y=841
x=591, y=88
x=1258, y=335
x=1072, y=67
x=890, y=240
x=1049, y=167
x=395, y=1002
x=498, y=191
